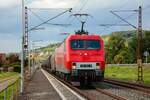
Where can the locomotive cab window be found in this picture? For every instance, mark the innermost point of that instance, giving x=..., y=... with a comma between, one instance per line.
x=85, y=44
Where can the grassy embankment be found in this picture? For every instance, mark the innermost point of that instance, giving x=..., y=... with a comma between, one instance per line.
x=127, y=73
x=5, y=75
x=8, y=74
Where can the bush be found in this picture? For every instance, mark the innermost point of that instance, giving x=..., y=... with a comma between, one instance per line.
x=1, y=64
x=15, y=65
x=17, y=69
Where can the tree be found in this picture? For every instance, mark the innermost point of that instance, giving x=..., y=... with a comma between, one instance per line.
x=146, y=43
x=121, y=47
x=115, y=45
x=118, y=59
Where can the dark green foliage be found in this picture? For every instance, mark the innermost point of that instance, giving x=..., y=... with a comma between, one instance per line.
x=17, y=69
x=117, y=49
x=1, y=64
x=146, y=44
x=121, y=46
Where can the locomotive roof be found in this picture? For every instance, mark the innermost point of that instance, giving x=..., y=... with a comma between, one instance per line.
x=75, y=36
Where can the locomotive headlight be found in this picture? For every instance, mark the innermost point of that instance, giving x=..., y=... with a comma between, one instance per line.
x=97, y=65
x=73, y=65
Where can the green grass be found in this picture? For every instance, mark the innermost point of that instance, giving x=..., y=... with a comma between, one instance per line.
x=8, y=74
x=4, y=75
x=13, y=88
x=127, y=73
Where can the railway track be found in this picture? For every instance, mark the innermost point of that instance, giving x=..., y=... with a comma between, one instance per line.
x=91, y=93
x=134, y=86
x=109, y=90
x=110, y=94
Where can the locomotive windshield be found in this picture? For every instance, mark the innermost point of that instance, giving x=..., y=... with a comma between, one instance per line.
x=85, y=44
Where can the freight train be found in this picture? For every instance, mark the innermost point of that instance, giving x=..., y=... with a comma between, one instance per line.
x=80, y=58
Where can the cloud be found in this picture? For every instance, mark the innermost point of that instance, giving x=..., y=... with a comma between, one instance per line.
x=9, y=3
x=9, y=43
x=100, y=4
x=10, y=46
x=10, y=19
x=53, y=3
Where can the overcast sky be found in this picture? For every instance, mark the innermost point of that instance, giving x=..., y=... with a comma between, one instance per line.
x=11, y=29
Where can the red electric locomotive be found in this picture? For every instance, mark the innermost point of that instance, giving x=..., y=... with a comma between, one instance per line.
x=80, y=58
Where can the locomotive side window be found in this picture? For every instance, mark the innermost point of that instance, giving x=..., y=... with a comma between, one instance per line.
x=85, y=44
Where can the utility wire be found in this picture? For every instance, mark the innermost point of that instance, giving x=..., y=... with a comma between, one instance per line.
x=69, y=21
x=47, y=23
x=126, y=18
x=124, y=10
x=76, y=4
x=36, y=15
x=115, y=24
x=78, y=11
x=123, y=19
x=83, y=5
x=148, y=6
x=50, y=19
x=48, y=8
x=120, y=7
x=108, y=27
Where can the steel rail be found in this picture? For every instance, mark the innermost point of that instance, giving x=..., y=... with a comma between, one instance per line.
x=88, y=97
x=110, y=94
x=135, y=86
x=72, y=87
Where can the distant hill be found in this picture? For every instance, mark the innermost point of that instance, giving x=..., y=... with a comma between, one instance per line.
x=128, y=35
x=49, y=48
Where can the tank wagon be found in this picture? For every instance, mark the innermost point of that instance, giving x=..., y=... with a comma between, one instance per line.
x=47, y=64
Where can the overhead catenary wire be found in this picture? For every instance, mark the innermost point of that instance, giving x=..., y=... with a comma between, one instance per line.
x=69, y=22
x=107, y=27
x=78, y=11
x=50, y=19
x=118, y=23
x=47, y=22
x=83, y=5
x=123, y=19
x=36, y=15
x=120, y=7
x=48, y=8
x=148, y=6
x=125, y=10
